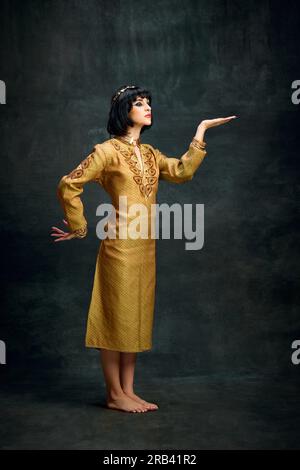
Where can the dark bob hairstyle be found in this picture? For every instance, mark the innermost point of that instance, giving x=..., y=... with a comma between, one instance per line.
x=118, y=120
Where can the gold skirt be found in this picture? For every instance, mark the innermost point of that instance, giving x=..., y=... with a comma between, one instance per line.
x=121, y=310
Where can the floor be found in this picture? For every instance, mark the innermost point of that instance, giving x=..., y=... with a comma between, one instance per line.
x=204, y=412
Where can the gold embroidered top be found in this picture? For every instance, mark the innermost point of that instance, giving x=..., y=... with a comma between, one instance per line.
x=117, y=168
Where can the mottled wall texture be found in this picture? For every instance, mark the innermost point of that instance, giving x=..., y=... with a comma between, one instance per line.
x=229, y=308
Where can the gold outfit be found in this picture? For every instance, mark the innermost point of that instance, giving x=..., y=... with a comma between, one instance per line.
x=121, y=309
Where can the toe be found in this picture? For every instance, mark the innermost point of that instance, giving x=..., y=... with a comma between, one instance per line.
x=152, y=406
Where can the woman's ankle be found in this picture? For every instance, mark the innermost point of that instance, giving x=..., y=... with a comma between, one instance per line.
x=128, y=390
x=113, y=394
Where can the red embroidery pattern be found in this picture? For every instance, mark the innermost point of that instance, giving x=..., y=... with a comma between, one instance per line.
x=78, y=172
x=145, y=184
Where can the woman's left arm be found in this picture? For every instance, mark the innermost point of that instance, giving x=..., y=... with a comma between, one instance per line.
x=180, y=170
x=183, y=169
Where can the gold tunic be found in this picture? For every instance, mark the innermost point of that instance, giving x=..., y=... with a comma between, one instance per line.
x=121, y=310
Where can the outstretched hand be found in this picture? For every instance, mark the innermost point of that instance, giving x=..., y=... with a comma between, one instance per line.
x=57, y=232
x=207, y=123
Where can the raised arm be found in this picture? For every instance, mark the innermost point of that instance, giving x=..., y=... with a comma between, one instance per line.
x=70, y=188
x=183, y=169
x=180, y=170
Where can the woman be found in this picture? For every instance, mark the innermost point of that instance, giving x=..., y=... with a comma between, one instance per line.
x=120, y=317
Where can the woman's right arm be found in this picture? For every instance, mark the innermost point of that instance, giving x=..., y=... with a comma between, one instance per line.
x=70, y=188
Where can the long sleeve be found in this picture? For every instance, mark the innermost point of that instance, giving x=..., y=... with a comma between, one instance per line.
x=70, y=188
x=182, y=169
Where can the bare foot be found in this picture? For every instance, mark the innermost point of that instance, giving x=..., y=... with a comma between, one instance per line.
x=133, y=396
x=125, y=403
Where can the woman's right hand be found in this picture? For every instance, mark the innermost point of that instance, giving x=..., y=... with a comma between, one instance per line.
x=57, y=232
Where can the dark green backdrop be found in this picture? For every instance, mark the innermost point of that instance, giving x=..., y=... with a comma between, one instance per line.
x=228, y=309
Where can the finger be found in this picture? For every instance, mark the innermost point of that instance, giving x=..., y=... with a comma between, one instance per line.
x=66, y=222
x=223, y=120
x=67, y=236
x=60, y=239
x=56, y=234
x=58, y=230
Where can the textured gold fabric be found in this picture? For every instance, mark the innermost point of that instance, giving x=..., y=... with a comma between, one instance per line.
x=121, y=309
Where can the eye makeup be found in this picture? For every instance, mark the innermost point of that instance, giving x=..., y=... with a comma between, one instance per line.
x=140, y=100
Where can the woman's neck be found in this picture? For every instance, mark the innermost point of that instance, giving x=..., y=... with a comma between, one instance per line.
x=131, y=139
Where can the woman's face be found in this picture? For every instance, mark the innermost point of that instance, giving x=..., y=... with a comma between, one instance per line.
x=140, y=112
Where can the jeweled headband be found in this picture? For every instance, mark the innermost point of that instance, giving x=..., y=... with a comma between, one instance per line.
x=121, y=91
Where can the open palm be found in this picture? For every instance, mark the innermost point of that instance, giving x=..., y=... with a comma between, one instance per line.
x=217, y=122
